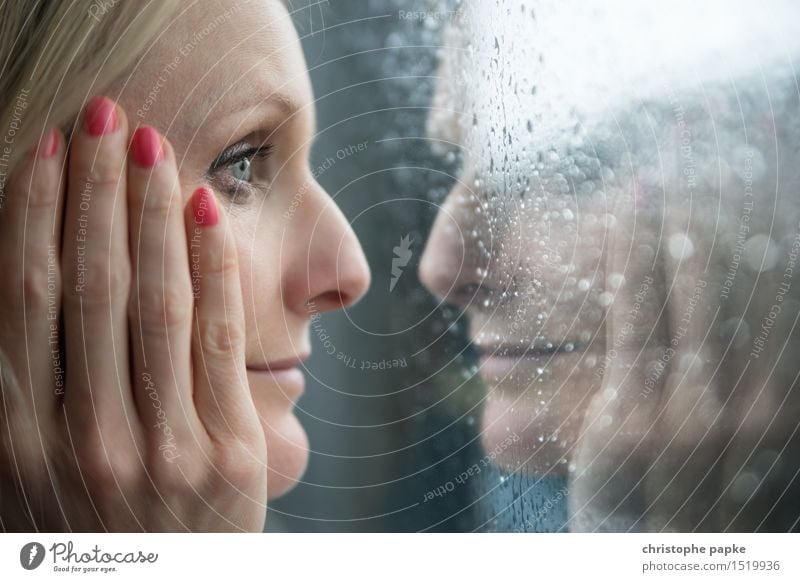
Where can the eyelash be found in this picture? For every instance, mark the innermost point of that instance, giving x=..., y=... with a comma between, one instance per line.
x=232, y=156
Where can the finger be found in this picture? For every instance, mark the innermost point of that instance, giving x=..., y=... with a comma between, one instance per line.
x=691, y=430
x=160, y=309
x=613, y=450
x=30, y=236
x=222, y=392
x=97, y=274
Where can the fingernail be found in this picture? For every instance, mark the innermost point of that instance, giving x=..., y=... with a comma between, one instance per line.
x=48, y=145
x=100, y=117
x=204, y=207
x=146, y=147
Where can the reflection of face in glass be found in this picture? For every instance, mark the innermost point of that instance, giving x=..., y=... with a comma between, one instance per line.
x=519, y=243
x=528, y=270
x=623, y=227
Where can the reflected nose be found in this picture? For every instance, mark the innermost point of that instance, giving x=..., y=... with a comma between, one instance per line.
x=330, y=270
x=457, y=257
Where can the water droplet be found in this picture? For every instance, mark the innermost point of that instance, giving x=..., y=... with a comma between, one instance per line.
x=744, y=486
x=680, y=246
x=615, y=280
x=761, y=253
x=605, y=299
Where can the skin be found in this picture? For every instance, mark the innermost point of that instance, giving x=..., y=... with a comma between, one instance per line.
x=224, y=436
x=519, y=300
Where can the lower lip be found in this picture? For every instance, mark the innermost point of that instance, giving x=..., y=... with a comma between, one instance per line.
x=290, y=380
x=496, y=369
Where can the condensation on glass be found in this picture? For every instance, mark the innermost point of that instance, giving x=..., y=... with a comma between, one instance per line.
x=624, y=236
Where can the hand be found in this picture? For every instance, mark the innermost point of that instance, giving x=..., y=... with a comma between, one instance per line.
x=689, y=427
x=140, y=417
x=656, y=425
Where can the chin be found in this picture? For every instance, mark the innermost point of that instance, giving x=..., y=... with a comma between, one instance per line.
x=521, y=434
x=511, y=442
x=287, y=452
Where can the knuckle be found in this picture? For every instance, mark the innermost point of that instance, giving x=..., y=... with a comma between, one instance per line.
x=98, y=279
x=102, y=176
x=238, y=462
x=173, y=469
x=106, y=473
x=42, y=193
x=162, y=307
x=156, y=200
x=35, y=289
x=221, y=337
x=222, y=262
x=39, y=287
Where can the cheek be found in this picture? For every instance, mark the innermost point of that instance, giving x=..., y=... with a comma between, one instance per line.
x=287, y=443
x=259, y=274
x=535, y=424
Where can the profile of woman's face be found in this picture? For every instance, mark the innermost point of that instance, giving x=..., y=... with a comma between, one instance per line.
x=597, y=243
x=228, y=78
x=529, y=271
x=520, y=244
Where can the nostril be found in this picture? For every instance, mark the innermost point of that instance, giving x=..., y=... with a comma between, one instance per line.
x=332, y=300
x=470, y=294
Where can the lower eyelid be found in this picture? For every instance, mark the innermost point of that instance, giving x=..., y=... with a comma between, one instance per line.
x=236, y=191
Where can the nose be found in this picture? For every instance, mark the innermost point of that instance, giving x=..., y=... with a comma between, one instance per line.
x=457, y=257
x=330, y=270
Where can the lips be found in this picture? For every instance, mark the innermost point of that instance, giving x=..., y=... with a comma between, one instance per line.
x=538, y=349
x=284, y=374
x=499, y=362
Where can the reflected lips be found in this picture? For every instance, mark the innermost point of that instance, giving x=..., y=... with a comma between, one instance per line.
x=498, y=361
x=286, y=373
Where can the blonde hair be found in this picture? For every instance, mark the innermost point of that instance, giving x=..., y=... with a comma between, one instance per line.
x=55, y=55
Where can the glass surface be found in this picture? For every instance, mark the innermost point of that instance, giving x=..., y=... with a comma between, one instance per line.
x=583, y=225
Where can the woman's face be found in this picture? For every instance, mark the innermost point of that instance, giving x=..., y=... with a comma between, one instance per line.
x=227, y=84
x=520, y=244
x=529, y=271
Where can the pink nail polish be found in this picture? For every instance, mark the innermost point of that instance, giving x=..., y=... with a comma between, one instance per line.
x=100, y=117
x=48, y=145
x=146, y=147
x=204, y=207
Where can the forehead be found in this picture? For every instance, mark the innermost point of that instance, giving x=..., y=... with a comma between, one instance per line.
x=218, y=58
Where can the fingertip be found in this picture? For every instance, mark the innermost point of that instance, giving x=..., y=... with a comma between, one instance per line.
x=147, y=147
x=205, y=209
x=48, y=145
x=100, y=116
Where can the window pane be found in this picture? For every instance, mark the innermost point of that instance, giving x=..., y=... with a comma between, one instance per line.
x=583, y=225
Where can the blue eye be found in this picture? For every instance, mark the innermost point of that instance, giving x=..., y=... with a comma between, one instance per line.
x=233, y=170
x=238, y=160
x=242, y=170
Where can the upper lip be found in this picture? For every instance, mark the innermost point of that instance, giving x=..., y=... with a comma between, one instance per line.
x=521, y=350
x=278, y=365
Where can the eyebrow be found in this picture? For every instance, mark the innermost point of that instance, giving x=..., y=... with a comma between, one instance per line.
x=276, y=100
x=279, y=106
